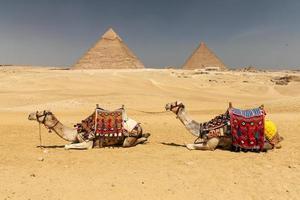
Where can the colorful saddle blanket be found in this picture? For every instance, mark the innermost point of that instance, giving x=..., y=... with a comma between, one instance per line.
x=217, y=127
x=102, y=123
x=109, y=124
x=247, y=128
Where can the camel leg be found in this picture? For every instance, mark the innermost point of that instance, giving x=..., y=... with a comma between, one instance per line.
x=132, y=141
x=211, y=144
x=267, y=146
x=82, y=145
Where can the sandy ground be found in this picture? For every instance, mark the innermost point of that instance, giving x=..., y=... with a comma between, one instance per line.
x=152, y=170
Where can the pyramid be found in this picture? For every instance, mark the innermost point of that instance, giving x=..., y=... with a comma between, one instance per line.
x=110, y=52
x=203, y=57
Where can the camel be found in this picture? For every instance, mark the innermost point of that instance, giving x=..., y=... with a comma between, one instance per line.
x=49, y=120
x=193, y=127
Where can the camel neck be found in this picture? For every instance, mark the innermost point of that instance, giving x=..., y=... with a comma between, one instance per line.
x=191, y=125
x=183, y=117
x=65, y=132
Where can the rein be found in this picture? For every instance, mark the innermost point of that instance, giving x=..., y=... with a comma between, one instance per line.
x=40, y=135
x=50, y=128
x=148, y=112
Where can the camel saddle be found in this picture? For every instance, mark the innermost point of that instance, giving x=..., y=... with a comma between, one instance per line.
x=109, y=124
x=216, y=127
x=103, y=127
x=247, y=128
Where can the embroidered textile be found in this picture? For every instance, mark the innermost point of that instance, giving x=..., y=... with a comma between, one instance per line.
x=247, y=128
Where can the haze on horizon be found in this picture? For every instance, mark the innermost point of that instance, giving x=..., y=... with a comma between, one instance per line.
x=264, y=33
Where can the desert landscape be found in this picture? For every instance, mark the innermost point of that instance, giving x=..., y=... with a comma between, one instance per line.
x=154, y=170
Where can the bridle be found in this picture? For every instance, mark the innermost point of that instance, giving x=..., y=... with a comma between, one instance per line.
x=43, y=121
x=181, y=106
x=178, y=106
x=44, y=115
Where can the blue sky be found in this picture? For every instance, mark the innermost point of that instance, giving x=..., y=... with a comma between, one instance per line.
x=162, y=33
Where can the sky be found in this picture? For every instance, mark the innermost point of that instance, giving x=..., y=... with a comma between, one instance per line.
x=264, y=33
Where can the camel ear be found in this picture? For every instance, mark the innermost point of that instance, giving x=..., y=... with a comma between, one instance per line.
x=230, y=104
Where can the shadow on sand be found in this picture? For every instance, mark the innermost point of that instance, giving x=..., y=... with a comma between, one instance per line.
x=173, y=144
x=51, y=146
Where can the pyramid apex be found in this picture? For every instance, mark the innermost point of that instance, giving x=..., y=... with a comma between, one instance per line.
x=110, y=34
x=110, y=52
x=202, y=44
x=203, y=57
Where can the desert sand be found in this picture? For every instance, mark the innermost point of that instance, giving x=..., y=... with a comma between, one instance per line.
x=152, y=170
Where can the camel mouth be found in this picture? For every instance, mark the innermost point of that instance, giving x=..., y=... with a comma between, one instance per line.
x=32, y=116
x=168, y=107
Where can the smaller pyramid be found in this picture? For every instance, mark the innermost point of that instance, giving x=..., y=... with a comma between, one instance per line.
x=203, y=58
x=110, y=52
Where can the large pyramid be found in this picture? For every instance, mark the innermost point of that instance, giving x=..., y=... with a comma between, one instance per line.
x=110, y=52
x=203, y=57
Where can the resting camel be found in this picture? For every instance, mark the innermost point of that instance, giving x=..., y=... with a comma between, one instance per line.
x=193, y=127
x=51, y=123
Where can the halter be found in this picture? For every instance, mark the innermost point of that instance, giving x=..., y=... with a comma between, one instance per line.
x=179, y=106
x=45, y=114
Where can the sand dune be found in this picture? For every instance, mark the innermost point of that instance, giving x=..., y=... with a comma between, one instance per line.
x=153, y=170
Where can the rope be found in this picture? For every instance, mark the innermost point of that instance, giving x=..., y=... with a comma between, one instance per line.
x=40, y=135
x=148, y=112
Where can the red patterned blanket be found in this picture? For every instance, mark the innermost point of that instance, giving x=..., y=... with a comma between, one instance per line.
x=109, y=124
x=102, y=123
x=247, y=128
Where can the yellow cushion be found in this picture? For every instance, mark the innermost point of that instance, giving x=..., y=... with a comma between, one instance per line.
x=270, y=129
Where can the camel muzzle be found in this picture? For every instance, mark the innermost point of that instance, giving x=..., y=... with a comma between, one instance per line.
x=32, y=116
x=167, y=107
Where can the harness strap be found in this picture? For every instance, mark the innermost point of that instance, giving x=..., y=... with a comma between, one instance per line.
x=45, y=113
x=179, y=107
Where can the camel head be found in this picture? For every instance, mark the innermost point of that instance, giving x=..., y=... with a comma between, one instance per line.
x=174, y=106
x=45, y=117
